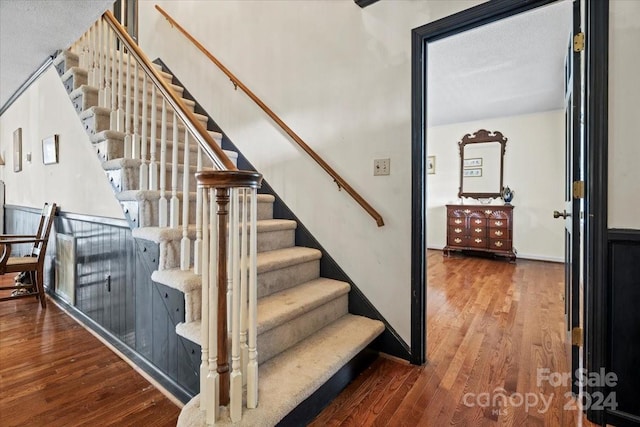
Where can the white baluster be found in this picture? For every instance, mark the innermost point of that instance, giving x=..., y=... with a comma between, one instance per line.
x=252, y=367
x=90, y=58
x=92, y=78
x=106, y=91
x=144, y=167
x=205, y=392
x=213, y=378
x=117, y=117
x=128, y=149
x=197, y=245
x=185, y=243
x=135, y=138
x=162, y=203
x=244, y=276
x=153, y=124
x=114, y=95
x=174, y=207
x=102, y=37
x=235, y=409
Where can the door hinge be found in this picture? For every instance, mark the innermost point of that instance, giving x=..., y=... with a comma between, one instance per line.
x=578, y=42
x=576, y=336
x=578, y=189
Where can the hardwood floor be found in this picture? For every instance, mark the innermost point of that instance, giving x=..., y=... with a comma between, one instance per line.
x=55, y=373
x=491, y=325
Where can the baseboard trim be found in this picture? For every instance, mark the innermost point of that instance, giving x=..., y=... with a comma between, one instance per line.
x=306, y=411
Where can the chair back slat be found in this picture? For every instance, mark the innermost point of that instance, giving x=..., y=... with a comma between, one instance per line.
x=44, y=228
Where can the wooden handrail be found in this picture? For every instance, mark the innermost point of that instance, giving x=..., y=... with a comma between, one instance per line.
x=196, y=128
x=340, y=182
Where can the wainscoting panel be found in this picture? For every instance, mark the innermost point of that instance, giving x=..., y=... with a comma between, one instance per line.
x=623, y=329
x=115, y=296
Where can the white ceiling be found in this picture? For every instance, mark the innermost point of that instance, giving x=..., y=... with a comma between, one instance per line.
x=509, y=67
x=33, y=30
x=514, y=66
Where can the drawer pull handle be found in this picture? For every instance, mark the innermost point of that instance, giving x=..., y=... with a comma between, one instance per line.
x=458, y=230
x=478, y=240
x=499, y=223
x=498, y=244
x=457, y=240
x=478, y=230
x=499, y=233
x=488, y=212
x=478, y=221
x=458, y=221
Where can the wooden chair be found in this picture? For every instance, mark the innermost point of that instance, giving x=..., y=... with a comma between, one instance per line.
x=34, y=263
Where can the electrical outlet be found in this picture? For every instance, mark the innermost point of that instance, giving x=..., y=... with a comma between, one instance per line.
x=381, y=167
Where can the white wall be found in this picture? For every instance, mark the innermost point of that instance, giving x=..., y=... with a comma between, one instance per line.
x=77, y=183
x=533, y=169
x=340, y=76
x=624, y=112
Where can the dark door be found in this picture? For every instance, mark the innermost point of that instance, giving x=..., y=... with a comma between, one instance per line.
x=573, y=210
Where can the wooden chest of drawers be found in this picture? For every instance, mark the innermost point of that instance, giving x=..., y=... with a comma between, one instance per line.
x=485, y=228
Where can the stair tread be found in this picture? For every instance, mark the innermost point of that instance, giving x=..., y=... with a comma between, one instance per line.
x=166, y=234
x=281, y=258
x=292, y=376
x=97, y=110
x=273, y=310
x=139, y=195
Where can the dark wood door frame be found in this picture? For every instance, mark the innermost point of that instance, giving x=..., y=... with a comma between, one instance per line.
x=596, y=146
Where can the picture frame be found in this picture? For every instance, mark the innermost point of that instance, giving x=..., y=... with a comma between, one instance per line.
x=50, y=150
x=472, y=173
x=473, y=162
x=431, y=165
x=17, y=150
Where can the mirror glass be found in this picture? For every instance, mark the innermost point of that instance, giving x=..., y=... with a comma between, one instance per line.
x=481, y=164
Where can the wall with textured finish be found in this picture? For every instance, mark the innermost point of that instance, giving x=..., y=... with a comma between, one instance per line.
x=77, y=183
x=340, y=76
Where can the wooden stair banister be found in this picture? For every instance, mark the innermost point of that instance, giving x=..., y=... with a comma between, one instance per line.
x=340, y=182
x=196, y=128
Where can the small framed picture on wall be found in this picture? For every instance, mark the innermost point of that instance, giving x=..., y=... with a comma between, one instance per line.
x=17, y=150
x=431, y=165
x=50, y=150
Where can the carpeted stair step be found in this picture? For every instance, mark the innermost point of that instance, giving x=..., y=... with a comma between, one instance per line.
x=143, y=205
x=109, y=145
x=288, y=317
x=288, y=379
x=74, y=78
x=273, y=234
x=284, y=268
x=86, y=96
x=64, y=61
x=96, y=119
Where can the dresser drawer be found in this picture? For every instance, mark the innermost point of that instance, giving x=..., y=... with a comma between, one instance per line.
x=500, y=244
x=478, y=242
x=457, y=240
x=498, y=223
x=475, y=222
x=457, y=231
x=499, y=233
x=457, y=221
x=477, y=231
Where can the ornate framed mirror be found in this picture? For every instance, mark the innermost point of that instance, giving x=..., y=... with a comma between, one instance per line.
x=482, y=164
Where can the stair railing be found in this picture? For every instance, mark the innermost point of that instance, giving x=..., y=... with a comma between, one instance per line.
x=340, y=182
x=136, y=97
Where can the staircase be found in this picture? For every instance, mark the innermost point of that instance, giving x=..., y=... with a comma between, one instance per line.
x=305, y=333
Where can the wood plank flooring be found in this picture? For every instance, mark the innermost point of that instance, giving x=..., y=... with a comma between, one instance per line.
x=491, y=325
x=55, y=373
